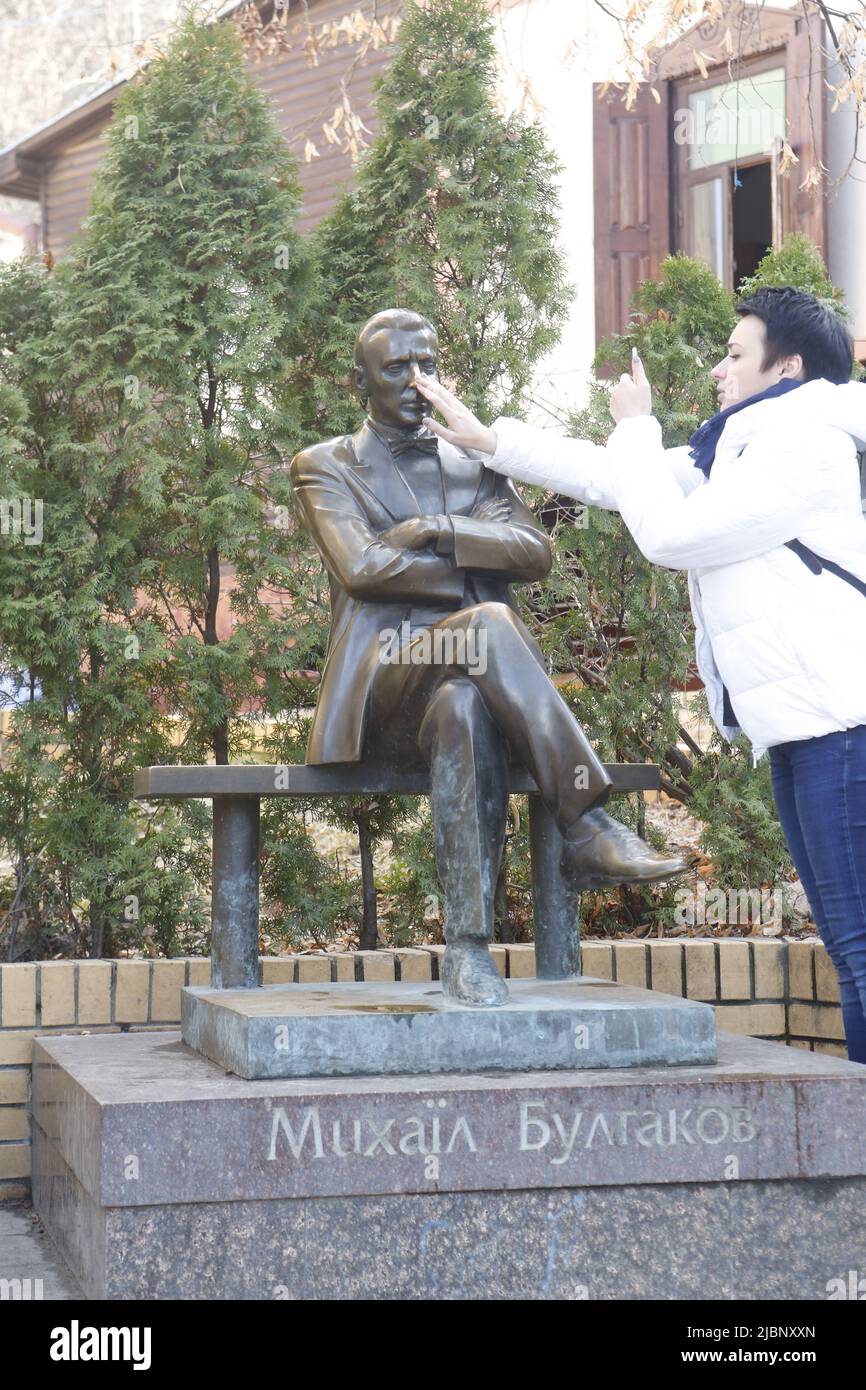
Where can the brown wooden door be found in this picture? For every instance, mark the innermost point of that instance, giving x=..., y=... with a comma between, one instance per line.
x=632, y=199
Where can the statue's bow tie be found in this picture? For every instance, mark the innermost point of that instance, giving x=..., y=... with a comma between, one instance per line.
x=426, y=443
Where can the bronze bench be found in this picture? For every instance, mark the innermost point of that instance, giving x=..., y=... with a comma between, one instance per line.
x=237, y=789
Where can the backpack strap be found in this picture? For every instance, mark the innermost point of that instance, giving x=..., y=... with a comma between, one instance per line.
x=816, y=563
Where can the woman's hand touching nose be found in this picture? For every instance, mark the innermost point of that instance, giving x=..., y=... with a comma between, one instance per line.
x=461, y=426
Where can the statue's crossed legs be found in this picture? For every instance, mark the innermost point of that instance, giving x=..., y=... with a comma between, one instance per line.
x=468, y=698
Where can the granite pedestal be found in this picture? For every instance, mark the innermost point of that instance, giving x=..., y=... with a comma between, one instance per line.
x=387, y=1028
x=161, y=1177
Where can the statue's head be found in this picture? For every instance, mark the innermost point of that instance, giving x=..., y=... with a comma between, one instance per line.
x=387, y=351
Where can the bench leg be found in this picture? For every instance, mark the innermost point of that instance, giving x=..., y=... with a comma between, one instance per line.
x=235, y=902
x=556, y=906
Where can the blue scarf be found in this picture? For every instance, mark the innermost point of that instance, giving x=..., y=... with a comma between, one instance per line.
x=705, y=439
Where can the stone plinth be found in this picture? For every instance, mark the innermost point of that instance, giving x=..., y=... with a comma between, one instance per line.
x=161, y=1177
x=386, y=1028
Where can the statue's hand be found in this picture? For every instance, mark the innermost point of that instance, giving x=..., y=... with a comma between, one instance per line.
x=494, y=509
x=461, y=426
x=413, y=534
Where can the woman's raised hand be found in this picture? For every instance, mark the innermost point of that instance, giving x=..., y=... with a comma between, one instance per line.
x=632, y=394
x=461, y=426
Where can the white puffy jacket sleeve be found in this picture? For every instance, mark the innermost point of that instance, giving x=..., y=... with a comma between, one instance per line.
x=572, y=467
x=763, y=501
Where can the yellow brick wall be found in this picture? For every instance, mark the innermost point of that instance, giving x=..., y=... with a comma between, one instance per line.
x=784, y=991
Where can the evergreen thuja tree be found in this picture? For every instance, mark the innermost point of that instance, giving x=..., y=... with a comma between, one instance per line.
x=181, y=301
x=797, y=262
x=144, y=404
x=88, y=875
x=189, y=287
x=454, y=213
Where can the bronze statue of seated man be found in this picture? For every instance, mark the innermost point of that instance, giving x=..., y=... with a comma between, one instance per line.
x=428, y=659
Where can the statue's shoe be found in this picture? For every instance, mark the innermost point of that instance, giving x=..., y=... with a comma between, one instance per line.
x=605, y=853
x=469, y=975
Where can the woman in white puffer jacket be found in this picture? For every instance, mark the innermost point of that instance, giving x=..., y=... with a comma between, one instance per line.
x=764, y=510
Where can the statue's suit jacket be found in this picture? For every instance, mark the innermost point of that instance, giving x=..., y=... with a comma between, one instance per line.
x=349, y=493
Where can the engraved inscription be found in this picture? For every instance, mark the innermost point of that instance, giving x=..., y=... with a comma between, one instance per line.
x=532, y=1126
x=558, y=1136
x=304, y=1135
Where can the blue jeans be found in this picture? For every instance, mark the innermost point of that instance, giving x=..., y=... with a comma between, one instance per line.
x=820, y=790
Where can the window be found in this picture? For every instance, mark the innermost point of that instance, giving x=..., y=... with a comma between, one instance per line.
x=733, y=121
x=728, y=137
x=693, y=162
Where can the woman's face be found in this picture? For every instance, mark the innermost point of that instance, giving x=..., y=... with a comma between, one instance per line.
x=741, y=373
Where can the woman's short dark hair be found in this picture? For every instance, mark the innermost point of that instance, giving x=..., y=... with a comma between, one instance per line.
x=797, y=322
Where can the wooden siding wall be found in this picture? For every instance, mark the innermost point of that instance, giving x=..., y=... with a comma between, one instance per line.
x=66, y=186
x=303, y=98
